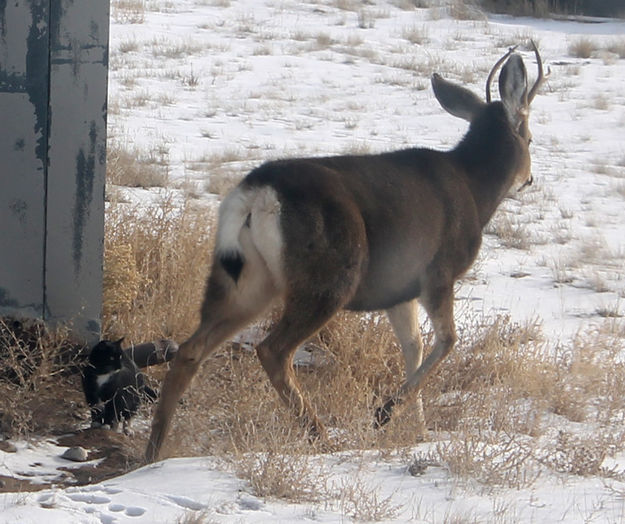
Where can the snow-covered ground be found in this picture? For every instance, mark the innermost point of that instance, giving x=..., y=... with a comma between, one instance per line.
x=213, y=88
x=360, y=487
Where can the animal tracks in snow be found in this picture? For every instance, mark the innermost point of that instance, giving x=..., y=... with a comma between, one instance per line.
x=186, y=503
x=94, y=500
x=88, y=498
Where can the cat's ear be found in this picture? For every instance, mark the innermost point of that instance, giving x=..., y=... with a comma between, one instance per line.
x=118, y=343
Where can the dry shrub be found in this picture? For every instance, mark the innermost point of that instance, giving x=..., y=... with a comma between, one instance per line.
x=196, y=517
x=595, y=373
x=128, y=11
x=583, y=456
x=502, y=386
x=134, y=168
x=31, y=352
x=34, y=380
x=364, y=366
x=617, y=47
x=480, y=378
x=156, y=259
x=462, y=10
x=498, y=369
x=364, y=363
x=300, y=478
x=121, y=281
x=363, y=503
x=221, y=183
x=582, y=47
x=502, y=378
x=232, y=407
x=290, y=477
x=498, y=459
x=510, y=231
x=495, y=389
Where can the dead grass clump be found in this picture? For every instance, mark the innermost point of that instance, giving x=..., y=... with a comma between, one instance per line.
x=582, y=456
x=216, y=159
x=132, y=168
x=165, y=48
x=617, y=47
x=364, y=503
x=30, y=352
x=598, y=372
x=460, y=10
x=299, y=478
x=501, y=378
x=196, y=517
x=511, y=232
x=232, y=406
x=364, y=347
x=492, y=460
x=323, y=41
x=582, y=47
x=121, y=283
x=496, y=394
x=415, y=35
x=602, y=103
x=282, y=476
x=155, y=264
x=347, y=5
x=507, y=380
x=491, y=356
x=231, y=409
x=128, y=11
x=34, y=365
x=221, y=184
x=363, y=367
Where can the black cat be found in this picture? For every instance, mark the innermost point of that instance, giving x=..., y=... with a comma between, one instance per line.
x=113, y=385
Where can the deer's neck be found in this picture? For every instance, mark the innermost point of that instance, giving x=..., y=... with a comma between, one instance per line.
x=489, y=154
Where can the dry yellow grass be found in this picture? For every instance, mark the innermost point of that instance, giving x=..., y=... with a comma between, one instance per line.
x=37, y=377
x=134, y=168
x=494, y=395
x=494, y=398
x=155, y=264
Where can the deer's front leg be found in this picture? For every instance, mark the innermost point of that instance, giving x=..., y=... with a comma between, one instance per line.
x=405, y=322
x=439, y=306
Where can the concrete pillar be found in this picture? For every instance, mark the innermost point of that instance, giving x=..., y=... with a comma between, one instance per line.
x=53, y=87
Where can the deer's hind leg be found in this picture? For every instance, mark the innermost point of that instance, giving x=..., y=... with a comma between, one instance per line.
x=228, y=307
x=320, y=285
x=301, y=319
x=323, y=260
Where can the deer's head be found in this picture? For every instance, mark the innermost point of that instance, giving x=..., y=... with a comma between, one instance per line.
x=515, y=98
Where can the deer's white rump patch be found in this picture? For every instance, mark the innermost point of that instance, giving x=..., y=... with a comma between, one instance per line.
x=259, y=209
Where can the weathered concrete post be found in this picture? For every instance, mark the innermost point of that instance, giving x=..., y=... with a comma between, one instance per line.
x=53, y=87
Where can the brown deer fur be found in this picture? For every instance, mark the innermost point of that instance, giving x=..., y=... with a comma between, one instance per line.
x=368, y=232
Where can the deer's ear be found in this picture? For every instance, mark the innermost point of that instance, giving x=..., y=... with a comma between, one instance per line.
x=456, y=100
x=513, y=89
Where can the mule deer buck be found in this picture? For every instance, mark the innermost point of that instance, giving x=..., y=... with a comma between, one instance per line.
x=364, y=233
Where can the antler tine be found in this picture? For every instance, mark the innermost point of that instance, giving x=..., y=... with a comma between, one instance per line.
x=541, y=75
x=494, y=70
